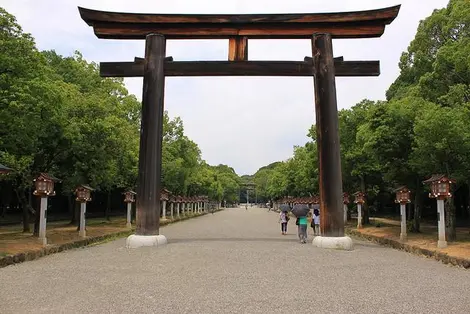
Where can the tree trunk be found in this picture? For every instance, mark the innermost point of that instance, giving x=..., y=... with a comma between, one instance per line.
x=365, y=206
x=25, y=209
x=468, y=200
x=108, y=206
x=449, y=209
x=70, y=202
x=75, y=214
x=72, y=210
x=418, y=204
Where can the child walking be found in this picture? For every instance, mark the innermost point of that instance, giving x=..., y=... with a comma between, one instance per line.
x=316, y=222
x=283, y=218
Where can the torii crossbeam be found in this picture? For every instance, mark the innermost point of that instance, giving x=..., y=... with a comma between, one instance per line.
x=319, y=27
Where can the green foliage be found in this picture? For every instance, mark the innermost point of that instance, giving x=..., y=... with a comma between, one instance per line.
x=58, y=115
x=422, y=128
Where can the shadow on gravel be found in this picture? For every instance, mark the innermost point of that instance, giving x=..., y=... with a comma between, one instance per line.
x=182, y=240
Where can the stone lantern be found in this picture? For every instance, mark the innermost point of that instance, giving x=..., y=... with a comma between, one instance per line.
x=164, y=197
x=44, y=187
x=178, y=200
x=129, y=198
x=5, y=169
x=402, y=197
x=440, y=190
x=82, y=193
x=359, y=201
x=172, y=201
x=345, y=205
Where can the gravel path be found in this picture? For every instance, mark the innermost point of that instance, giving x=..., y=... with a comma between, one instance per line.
x=235, y=261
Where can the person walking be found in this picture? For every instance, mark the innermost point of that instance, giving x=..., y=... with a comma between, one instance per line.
x=283, y=219
x=316, y=222
x=302, y=229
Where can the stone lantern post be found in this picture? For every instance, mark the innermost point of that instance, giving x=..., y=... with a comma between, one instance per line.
x=129, y=198
x=172, y=206
x=178, y=206
x=345, y=206
x=44, y=185
x=83, y=196
x=440, y=190
x=402, y=197
x=359, y=200
x=164, y=197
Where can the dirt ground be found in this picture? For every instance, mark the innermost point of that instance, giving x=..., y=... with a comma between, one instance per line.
x=427, y=239
x=13, y=240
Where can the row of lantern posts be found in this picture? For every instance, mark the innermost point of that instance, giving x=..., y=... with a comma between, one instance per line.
x=44, y=187
x=440, y=190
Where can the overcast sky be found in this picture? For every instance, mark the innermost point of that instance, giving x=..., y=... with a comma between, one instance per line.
x=246, y=122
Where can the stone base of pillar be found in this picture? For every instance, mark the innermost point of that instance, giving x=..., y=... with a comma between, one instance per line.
x=82, y=233
x=129, y=225
x=42, y=241
x=441, y=244
x=403, y=236
x=135, y=241
x=339, y=243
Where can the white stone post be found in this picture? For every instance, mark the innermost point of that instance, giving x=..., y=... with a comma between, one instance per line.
x=403, y=235
x=129, y=215
x=164, y=209
x=345, y=208
x=82, y=232
x=441, y=243
x=359, y=215
x=178, y=209
x=171, y=210
x=42, y=221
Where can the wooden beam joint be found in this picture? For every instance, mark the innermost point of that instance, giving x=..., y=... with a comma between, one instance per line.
x=238, y=48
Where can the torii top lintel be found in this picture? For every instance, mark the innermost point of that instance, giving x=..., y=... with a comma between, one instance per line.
x=358, y=24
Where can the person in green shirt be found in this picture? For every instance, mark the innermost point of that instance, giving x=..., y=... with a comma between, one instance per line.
x=303, y=229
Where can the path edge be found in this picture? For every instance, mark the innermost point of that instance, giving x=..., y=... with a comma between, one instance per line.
x=439, y=256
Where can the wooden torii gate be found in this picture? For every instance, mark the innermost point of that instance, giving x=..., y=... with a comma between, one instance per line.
x=320, y=28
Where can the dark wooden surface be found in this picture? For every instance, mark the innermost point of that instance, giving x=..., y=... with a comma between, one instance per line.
x=151, y=135
x=142, y=60
x=326, y=112
x=387, y=14
x=240, y=68
x=359, y=24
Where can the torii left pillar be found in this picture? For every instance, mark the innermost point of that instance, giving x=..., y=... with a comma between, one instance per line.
x=150, y=155
x=331, y=194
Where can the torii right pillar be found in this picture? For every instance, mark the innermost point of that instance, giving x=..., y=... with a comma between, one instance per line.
x=329, y=159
